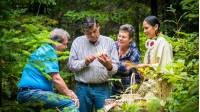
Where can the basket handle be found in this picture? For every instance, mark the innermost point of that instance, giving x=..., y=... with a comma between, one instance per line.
x=132, y=81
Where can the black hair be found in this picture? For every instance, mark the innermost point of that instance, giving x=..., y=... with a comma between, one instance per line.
x=89, y=22
x=128, y=28
x=153, y=20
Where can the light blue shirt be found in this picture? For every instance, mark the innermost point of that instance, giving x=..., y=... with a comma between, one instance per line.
x=95, y=72
x=44, y=60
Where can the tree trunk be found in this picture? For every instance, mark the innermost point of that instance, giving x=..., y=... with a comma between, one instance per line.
x=137, y=34
x=137, y=27
x=1, y=90
x=154, y=7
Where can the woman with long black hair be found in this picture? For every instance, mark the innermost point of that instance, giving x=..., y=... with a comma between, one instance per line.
x=159, y=51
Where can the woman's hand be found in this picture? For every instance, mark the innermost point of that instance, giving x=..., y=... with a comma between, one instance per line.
x=143, y=65
x=129, y=65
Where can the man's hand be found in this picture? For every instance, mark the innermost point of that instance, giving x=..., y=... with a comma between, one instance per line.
x=72, y=95
x=106, y=61
x=89, y=59
x=62, y=87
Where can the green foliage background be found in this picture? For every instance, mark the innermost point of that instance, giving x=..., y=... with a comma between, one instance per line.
x=26, y=24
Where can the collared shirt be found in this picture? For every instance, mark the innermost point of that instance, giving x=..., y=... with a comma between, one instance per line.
x=95, y=72
x=160, y=54
x=42, y=61
x=132, y=55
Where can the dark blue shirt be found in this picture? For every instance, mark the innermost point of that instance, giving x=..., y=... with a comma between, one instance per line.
x=132, y=55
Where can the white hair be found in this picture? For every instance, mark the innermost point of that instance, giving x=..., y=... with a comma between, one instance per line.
x=58, y=32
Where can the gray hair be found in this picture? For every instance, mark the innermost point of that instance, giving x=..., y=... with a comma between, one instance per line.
x=58, y=34
x=128, y=28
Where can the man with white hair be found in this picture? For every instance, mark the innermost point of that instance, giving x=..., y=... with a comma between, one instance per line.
x=41, y=74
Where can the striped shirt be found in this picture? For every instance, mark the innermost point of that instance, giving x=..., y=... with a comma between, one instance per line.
x=95, y=72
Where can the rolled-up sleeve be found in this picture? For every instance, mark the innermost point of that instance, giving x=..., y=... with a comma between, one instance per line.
x=45, y=59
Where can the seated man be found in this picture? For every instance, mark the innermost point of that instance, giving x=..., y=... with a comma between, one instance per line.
x=41, y=74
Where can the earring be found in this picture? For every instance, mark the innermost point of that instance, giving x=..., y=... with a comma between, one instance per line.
x=156, y=32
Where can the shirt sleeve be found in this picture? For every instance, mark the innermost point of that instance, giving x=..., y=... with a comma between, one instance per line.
x=167, y=56
x=135, y=57
x=115, y=59
x=46, y=59
x=74, y=63
x=51, y=66
x=164, y=55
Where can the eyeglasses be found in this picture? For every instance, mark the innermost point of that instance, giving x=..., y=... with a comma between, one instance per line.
x=121, y=36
